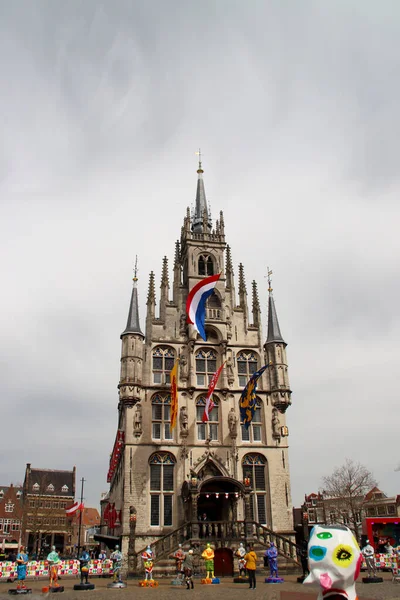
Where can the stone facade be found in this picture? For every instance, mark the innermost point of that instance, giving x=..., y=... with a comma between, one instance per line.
x=219, y=468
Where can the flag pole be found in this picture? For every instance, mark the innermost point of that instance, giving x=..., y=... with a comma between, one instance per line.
x=80, y=519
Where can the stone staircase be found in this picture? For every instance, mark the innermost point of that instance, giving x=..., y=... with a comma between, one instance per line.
x=220, y=534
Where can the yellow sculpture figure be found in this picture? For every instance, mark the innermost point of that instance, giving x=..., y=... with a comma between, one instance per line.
x=208, y=555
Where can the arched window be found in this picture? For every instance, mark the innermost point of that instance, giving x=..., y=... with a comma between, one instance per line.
x=64, y=488
x=206, y=365
x=50, y=487
x=213, y=306
x=161, y=489
x=253, y=433
x=246, y=365
x=36, y=487
x=206, y=265
x=161, y=417
x=208, y=430
x=255, y=468
x=163, y=361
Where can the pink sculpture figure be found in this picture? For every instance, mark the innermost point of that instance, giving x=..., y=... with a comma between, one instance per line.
x=335, y=562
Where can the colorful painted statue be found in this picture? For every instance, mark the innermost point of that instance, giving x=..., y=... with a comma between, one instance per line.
x=241, y=553
x=84, y=565
x=272, y=554
x=116, y=558
x=368, y=553
x=335, y=561
x=22, y=561
x=208, y=555
x=54, y=562
x=148, y=560
x=179, y=557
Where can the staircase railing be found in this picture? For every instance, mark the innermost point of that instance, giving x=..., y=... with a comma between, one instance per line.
x=216, y=531
x=285, y=546
x=167, y=544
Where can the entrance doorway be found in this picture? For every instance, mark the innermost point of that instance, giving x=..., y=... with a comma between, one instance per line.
x=223, y=562
x=218, y=499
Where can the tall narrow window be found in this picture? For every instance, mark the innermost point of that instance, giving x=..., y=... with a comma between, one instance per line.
x=213, y=307
x=206, y=365
x=163, y=361
x=246, y=366
x=161, y=416
x=161, y=489
x=207, y=430
x=206, y=265
x=253, y=433
x=255, y=468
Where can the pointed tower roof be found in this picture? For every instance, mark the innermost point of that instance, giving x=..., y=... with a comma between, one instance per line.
x=201, y=210
x=133, y=324
x=274, y=332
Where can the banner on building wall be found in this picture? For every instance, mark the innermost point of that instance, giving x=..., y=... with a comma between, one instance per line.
x=247, y=401
x=209, y=403
x=174, y=394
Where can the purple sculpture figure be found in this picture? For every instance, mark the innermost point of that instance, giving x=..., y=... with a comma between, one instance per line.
x=272, y=554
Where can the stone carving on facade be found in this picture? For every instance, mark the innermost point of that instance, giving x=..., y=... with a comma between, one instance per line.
x=184, y=421
x=182, y=324
x=229, y=371
x=137, y=428
x=183, y=366
x=276, y=424
x=232, y=423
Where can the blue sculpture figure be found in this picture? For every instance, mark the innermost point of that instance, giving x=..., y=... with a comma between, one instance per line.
x=272, y=554
x=84, y=564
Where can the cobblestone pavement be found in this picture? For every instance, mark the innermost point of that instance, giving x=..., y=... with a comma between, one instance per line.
x=227, y=590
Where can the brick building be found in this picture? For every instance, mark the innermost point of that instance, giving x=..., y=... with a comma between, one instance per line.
x=11, y=512
x=46, y=494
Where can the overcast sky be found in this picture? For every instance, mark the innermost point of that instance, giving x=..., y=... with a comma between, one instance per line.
x=295, y=106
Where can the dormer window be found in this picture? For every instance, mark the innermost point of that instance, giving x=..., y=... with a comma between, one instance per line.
x=64, y=488
x=19, y=494
x=206, y=265
x=1, y=493
x=50, y=487
x=36, y=487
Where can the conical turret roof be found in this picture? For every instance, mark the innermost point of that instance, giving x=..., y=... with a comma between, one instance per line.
x=133, y=324
x=274, y=332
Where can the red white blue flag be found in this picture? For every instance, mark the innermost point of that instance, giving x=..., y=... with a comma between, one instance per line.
x=196, y=303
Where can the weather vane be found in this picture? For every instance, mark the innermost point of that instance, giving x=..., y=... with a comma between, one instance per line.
x=135, y=270
x=199, y=155
x=269, y=273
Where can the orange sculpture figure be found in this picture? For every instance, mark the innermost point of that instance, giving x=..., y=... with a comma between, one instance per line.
x=53, y=559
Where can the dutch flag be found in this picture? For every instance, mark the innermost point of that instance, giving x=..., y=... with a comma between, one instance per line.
x=196, y=303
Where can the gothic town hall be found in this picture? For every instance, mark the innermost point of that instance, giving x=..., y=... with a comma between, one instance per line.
x=162, y=479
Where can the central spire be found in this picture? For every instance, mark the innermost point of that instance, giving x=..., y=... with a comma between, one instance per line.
x=201, y=218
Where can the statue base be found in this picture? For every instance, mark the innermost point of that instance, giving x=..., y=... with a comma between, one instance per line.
x=20, y=591
x=206, y=581
x=84, y=586
x=148, y=583
x=241, y=580
x=215, y=580
x=273, y=580
x=56, y=588
x=177, y=581
x=301, y=578
x=116, y=585
x=372, y=579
